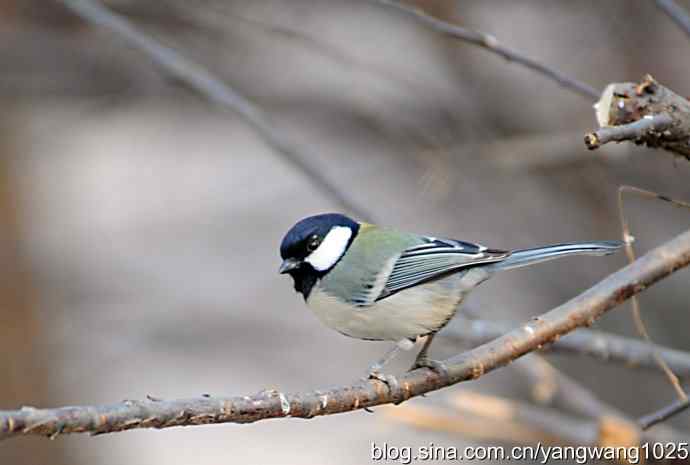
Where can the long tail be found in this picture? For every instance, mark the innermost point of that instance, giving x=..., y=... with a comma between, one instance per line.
x=525, y=257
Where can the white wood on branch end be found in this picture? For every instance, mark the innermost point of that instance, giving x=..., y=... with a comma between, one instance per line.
x=645, y=113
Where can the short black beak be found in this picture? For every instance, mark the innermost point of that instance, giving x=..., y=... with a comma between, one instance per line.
x=288, y=265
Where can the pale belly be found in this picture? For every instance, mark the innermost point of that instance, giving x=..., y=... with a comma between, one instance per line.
x=410, y=313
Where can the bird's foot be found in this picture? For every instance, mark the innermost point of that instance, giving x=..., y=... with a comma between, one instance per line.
x=391, y=381
x=435, y=365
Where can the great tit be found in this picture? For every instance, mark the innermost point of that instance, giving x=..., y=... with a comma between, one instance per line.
x=376, y=283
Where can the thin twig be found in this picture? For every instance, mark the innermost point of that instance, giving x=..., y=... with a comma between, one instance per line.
x=319, y=46
x=676, y=13
x=580, y=311
x=213, y=89
x=492, y=44
x=682, y=403
x=637, y=130
x=663, y=414
x=637, y=313
x=601, y=345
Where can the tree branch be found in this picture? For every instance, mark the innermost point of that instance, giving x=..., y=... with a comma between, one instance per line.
x=676, y=13
x=492, y=44
x=597, y=344
x=485, y=418
x=638, y=130
x=663, y=414
x=482, y=417
x=580, y=311
x=553, y=387
x=645, y=113
x=214, y=90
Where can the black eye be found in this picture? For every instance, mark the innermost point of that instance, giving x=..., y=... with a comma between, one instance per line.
x=313, y=243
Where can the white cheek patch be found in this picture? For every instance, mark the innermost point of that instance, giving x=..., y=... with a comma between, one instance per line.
x=331, y=249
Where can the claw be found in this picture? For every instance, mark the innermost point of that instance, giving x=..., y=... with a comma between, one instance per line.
x=435, y=365
x=393, y=384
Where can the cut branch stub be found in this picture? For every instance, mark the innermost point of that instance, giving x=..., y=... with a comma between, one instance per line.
x=646, y=114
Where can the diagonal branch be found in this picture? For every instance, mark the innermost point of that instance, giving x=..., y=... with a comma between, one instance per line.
x=492, y=44
x=597, y=344
x=676, y=13
x=663, y=414
x=553, y=387
x=580, y=311
x=214, y=90
x=482, y=417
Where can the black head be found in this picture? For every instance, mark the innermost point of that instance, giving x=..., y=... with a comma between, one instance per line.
x=313, y=246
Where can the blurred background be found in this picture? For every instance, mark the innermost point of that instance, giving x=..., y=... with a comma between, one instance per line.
x=141, y=225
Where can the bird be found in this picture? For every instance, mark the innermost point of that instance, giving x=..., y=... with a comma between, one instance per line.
x=377, y=283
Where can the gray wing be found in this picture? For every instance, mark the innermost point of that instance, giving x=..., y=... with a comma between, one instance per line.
x=433, y=259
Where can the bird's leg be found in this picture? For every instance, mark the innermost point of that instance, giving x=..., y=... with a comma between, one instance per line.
x=374, y=371
x=376, y=367
x=423, y=360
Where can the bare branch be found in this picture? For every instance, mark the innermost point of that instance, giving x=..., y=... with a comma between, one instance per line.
x=483, y=417
x=645, y=113
x=550, y=386
x=213, y=89
x=492, y=44
x=649, y=420
x=583, y=310
x=598, y=344
x=639, y=130
x=496, y=419
x=553, y=387
x=562, y=390
x=676, y=13
x=554, y=427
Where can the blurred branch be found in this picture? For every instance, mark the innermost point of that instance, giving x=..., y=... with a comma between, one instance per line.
x=609, y=428
x=491, y=418
x=598, y=344
x=213, y=89
x=483, y=417
x=553, y=387
x=492, y=44
x=319, y=46
x=676, y=13
x=645, y=113
x=555, y=428
x=580, y=311
x=663, y=414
